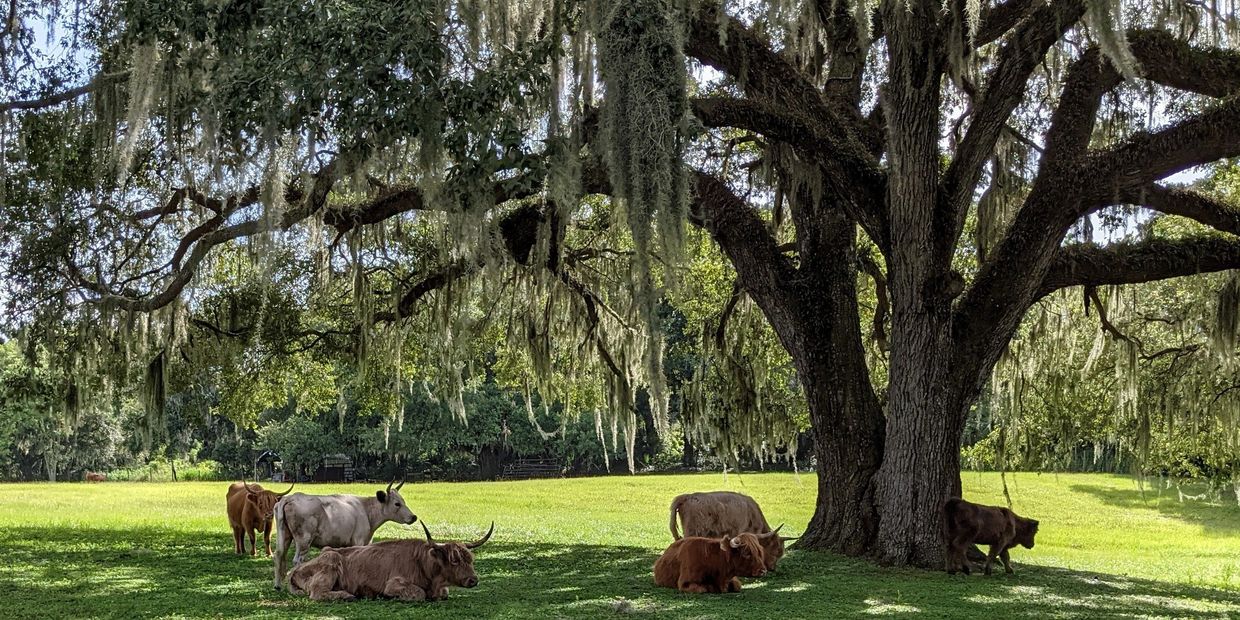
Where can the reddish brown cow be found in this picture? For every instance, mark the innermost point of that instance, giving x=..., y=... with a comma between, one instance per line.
x=966, y=524
x=724, y=513
x=92, y=476
x=409, y=570
x=250, y=508
x=700, y=564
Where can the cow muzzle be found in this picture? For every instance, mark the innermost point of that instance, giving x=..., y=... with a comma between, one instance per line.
x=471, y=582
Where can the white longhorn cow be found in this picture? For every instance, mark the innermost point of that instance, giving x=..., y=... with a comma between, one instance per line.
x=333, y=521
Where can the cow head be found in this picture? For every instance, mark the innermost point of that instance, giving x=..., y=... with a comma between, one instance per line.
x=745, y=552
x=263, y=499
x=457, y=559
x=393, y=506
x=773, y=546
x=1026, y=529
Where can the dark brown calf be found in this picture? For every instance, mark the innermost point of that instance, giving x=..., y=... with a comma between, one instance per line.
x=699, y=564
x=966, y=524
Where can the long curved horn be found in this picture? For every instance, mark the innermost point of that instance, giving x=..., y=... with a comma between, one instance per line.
x=402, y=482
x=428, y=533
x=248, y=487
x=290, y=489
x=483, y=540
x=774, y=532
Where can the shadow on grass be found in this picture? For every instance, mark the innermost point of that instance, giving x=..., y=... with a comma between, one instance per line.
x=106, y=573
x=1218, y=518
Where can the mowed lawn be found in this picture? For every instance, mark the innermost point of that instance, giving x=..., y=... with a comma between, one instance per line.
x=584, y=548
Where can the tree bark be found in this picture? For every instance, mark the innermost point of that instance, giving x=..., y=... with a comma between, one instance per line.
x=824, y=337
x=848, y=446
x=921, y=463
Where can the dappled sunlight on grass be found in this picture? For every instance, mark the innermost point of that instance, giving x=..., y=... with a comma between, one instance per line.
x=566, y=548
x=877, y=607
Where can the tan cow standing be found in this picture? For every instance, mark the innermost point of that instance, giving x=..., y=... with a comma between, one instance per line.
x=724, y=513
x=93, y=476
x=251, y=508
x=408, y=570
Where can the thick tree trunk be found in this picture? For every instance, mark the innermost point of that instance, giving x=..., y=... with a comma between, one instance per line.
x=848, y=445
x=846, y=417
x=921, y=461
x=921, y=464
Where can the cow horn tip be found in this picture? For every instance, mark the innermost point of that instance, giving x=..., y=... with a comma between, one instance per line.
x=428, y=532
x=484, y=539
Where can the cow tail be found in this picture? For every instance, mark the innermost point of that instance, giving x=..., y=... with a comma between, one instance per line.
x=278, y=510
x=672, y=522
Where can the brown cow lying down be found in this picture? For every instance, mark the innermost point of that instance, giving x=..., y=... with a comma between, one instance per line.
x=699, y=564
x=92, y=476
x=724, y=513
x=966, y=524
x=409, y=570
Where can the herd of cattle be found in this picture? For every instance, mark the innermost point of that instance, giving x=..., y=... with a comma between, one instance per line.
x=726, y=537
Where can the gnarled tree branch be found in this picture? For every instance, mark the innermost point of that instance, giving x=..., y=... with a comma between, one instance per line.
x=1146, y=261
x=48, y=101
x=1193, y=205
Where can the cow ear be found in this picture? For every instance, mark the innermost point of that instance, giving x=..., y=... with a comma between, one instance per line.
x=381, y=496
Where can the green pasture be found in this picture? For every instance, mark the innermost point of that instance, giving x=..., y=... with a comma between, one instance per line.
x=584, y=547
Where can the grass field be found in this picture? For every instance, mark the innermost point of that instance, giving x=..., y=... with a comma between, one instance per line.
x=575, y=548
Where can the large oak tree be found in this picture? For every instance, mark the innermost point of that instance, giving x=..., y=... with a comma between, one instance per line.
x=798, y=135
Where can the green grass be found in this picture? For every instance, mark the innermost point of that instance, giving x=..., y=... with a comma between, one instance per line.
x=572, y=548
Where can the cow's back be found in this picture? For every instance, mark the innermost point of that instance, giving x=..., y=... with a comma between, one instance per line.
x=326, y=520
x=365, y=570
x=985, y=525
x=371, y=566
x=720, y=513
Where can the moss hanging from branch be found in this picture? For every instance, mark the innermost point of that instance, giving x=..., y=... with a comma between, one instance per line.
x=1106, y=20
x=143, y=82
x=1226, y=328
x=642, y=65
x=154, y=397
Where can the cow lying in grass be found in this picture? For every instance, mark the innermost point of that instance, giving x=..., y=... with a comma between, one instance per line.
x=308, y=521
x=698, y=564
x=724, y=513
x=408, y=570
x=966, y=524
